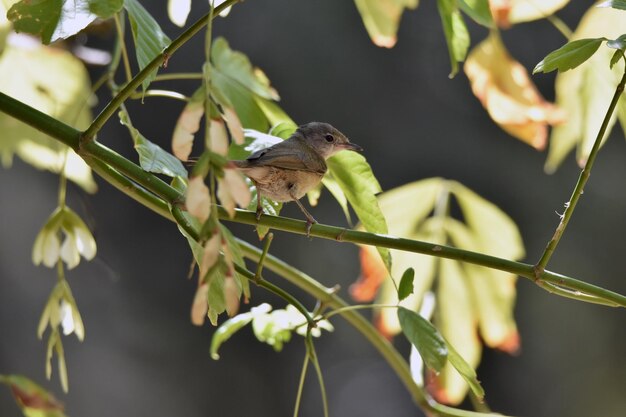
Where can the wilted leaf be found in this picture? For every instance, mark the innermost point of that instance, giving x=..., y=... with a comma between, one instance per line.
x=585, y=92
x=197, y=199
x=509, y=12
x=456, y=318
x=382, y=18
x=187, y=125
x=152, y=157
x=148, y=36
x=178, y=10
x=32, y=399
x=569, y=56
x=503, y=87
x=233, y=190
x=218, y=137
x=61, y=91
x=425, y=337
x=406, y=284
x=200, y=304
x=51, y=19
x=497, y=233
x=455, y=31
x=210, y=254
x=356, y=179
x=234, y=125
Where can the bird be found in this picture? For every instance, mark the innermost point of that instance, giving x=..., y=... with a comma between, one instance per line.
x=286, y=171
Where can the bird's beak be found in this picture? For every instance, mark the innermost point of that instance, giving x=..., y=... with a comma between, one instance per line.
x=351, y=147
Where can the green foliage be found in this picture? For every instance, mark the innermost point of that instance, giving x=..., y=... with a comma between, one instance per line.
x=152, y=157
x=382, y=18
x=406, y=284
x=478, y=10
x=105, y=8
x=425, y=337
x=616, y=4
x=457, y=36
x=149, y=38
x=569, y=56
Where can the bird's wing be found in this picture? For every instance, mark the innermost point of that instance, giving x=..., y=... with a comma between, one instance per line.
x=283, y=155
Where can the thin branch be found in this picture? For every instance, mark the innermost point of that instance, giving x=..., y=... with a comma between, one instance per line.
x=580, y=184
x=110, y=109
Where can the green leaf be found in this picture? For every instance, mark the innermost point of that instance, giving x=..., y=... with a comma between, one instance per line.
x=216, y=299
x=356, y=179
x=478, y=10
x=406, y=284
x=382, y=18
x=335, y=190
x=455, y=31
x=585, y=92
x=233, y=325
x=242, y=282
x=149, y=39
x=619, y=43
x=467, y=372
x=50, y=19
x=152, y=157
x=105, y=8
x=615, y=58
x=425, y=337
x=32, y=398
x=616, y=4
x=569, y=56
x=236, y=82
x=495, y=230
x=62, y=91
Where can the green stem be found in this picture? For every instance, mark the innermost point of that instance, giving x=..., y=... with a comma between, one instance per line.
x=580, y=184
x=119, y=26
x=179, y=76
x=357, y=307
x=266, y=247
x=110, y=109
x=310, y=347
x=305, y=365
x=560, y=25
x=93, y=151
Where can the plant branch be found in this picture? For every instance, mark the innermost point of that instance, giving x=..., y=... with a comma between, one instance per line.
x=128, y=89
x=580, y=184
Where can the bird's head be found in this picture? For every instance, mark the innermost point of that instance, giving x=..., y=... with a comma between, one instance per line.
x=325, y=139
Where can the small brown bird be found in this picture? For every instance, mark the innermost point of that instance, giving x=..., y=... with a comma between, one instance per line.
x=287, y=170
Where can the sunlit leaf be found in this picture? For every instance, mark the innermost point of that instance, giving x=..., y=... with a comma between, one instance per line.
x=51, y=19
x=356, y=179
x=585, y=92
x=178, y=10
x=616, y=4
x=478, y=10
x=406, y=284
x=569, y=56
x=149, y=38
x=497, y=233
x=105, y=8
x=493, y=292
x=455, y=316
x=331, y=185
x=466, y=371
x=152, y=157
x=382, y=18
x=233, y=325
x=510, y=12
x=425, y=337
x=32, y=398
x=455, y=32
x=505, y=90
x=61, y=91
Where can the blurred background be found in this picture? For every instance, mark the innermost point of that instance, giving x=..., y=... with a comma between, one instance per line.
x=142, y=356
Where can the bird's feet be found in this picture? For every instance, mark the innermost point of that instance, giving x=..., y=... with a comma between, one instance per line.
x=259, y=213
x=309, y=223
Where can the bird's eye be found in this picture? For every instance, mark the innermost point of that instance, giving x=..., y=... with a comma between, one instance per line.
x=329, y=138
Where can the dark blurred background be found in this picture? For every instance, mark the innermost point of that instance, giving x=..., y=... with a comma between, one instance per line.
x=143, y=357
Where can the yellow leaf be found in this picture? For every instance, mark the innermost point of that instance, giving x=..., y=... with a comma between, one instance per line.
x=198, y=200
x=56, y=83
x=231, y=295
x=218, y=137
x=505, y=90
x=188, y=123
x=200, y=304
x=382, y=18
x=509, y=12
x=234, y=125
x=210, y=253
x=233, y=190
x=456, y=319
x=586, y=91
